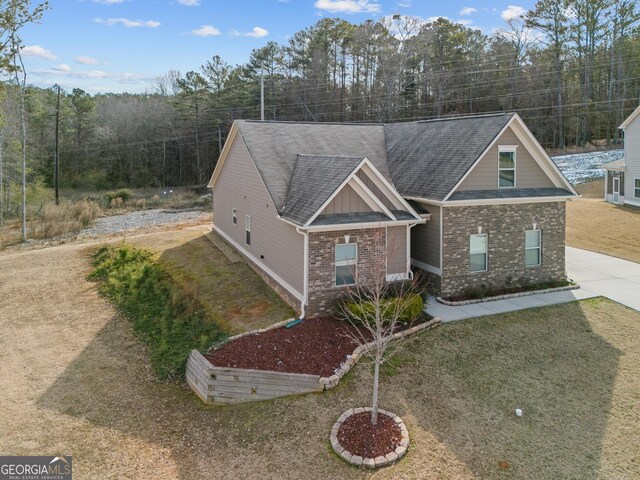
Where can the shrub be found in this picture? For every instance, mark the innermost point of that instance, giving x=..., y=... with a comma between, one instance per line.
x=409, y=306
x=112, y=197
x=67, y=217
x=169, y=320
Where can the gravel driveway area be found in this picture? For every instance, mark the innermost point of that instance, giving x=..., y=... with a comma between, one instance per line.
x=141, y=219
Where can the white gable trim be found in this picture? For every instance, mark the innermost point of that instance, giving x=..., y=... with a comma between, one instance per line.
x=387, y=189
x=630, y=118
x=468, y=172
x=223, y=155
x=368, y=196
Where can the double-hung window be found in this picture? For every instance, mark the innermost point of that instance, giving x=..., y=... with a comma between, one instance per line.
x=637, y=187
x=532, y=248
x=234, y=216
x=247, y=230
x=478, y=252
x=346, y=261
x=506, y=166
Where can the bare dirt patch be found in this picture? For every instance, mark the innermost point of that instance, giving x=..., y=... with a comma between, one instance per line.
x=359, y=437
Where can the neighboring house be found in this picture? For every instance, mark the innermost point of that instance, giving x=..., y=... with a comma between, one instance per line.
x=316, y=207
x=624, y=175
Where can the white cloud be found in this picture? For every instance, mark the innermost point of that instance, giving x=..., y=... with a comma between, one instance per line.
x=125, y=22
x=189, y=3
x=63, y=67
x=37, y=51
x=347, y=6
x=466, y=23
x=257, y=32
x=110, y=2
x=512, y=12
x=468, y=11
x=406, y=4
x=86, y=60
x=435, y=19
x=206, y=31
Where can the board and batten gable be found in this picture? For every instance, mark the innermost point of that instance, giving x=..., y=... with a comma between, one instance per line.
x=484, y=175
x=632, y=160
x=275, y=244
x=346, y=201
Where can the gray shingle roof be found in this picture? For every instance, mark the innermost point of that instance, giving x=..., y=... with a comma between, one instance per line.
x=274, y=147
x=426, y=159
x=355, y=217
x=615, y=165
x=314, y=180
x=510, y=193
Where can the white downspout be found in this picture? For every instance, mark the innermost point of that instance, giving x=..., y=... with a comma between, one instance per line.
x=306, y=271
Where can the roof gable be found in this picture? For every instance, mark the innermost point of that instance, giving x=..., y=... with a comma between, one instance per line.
x=630, y=118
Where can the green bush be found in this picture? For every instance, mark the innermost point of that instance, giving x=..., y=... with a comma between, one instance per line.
x=410, y=307
x=169, y=321
x=123, y=194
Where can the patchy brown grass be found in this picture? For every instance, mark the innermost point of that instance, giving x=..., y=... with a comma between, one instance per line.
x=75, y=380
x=593, y=224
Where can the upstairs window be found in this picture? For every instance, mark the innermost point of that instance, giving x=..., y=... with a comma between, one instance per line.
x=532, y=248
x=637, y=188
x=234, y=216
x=506, y=166
x=478, y=253
x=346, y=261
x=247, y=230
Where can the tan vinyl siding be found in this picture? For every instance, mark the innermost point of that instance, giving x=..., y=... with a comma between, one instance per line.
x=375, y=190
x=397, y=249
x=346, y=201
x=484, y=176
x=239, y=186
x=425, y=238
x=632, y=160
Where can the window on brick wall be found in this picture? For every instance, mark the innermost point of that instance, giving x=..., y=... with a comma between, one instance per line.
x=478, y=252
x=532, y=248
x=346, y=261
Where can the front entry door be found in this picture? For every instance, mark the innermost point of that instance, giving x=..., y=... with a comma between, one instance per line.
x=616, y=190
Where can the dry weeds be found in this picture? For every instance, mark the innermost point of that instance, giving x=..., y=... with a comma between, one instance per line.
x=593, y=224
x=75, y=381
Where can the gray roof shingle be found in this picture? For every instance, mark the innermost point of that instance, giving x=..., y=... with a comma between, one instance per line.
x=510, y=193
x=426, y=159
x=314, y=180
x=274, y=147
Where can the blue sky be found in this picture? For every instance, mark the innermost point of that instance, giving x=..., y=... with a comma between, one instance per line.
x=122, y=45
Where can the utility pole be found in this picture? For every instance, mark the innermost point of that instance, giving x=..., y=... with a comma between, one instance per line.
x=262, y=92
x=1, y=183
x=56, y=165
x=164, y=163
x=219, y=142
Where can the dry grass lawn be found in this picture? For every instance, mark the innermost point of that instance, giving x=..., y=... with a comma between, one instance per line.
x=75, y=380
x=593, y=224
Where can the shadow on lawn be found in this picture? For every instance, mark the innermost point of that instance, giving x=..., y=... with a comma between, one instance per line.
x=553, y=366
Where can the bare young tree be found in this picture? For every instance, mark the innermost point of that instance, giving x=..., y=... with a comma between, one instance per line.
x=377, y=308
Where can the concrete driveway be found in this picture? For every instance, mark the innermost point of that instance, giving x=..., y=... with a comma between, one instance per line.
x=603, y=275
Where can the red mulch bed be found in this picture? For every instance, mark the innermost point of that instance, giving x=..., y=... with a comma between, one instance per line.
x=359, y=437
x=316, y=346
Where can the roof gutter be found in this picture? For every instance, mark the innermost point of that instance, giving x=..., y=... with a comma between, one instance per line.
x=494, y=201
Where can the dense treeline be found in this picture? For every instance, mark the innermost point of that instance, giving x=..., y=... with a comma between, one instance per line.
x=570, y=68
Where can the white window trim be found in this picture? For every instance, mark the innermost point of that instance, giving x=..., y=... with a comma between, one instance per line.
x=247, y=228
x=508, y=149
x=486, y=253
x=343, y=263
x=234, y=216
x=539, y=248
x=636, y=188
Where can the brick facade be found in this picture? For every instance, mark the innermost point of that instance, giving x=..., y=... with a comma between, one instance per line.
x=505, y=226
x=322, y=292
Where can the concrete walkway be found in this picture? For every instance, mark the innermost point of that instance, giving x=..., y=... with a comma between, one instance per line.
x=597, y=275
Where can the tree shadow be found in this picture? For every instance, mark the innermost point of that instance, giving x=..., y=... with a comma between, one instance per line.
x=548, y=362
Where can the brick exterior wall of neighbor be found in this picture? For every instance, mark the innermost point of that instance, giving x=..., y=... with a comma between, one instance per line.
x=505, y=226
x=323, y=293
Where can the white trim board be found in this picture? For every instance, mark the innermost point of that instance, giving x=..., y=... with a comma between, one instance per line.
x=494, y=201
x=426, y=266
x=266, y=269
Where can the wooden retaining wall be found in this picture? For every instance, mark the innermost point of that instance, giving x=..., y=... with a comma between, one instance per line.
x=236, y=385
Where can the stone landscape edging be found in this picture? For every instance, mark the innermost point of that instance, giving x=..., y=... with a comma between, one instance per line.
x=225, y=385
x=506, y=296
x=368, y=462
